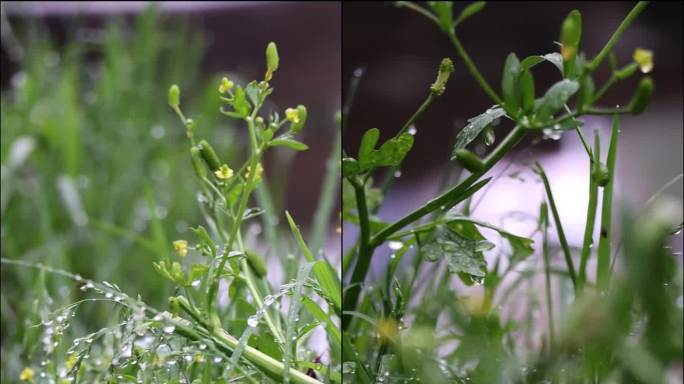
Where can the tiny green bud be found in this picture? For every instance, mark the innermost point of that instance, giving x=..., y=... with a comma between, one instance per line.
x=272, y=60
x=600, y=174
x=259, y=120
x=642, y=96
x=571, y=31
x=256, y=263
x=350, y=167
x=469, y=161
x=197, y=162
x=209, y=156
x=267, y=135
x=174, y=96
x=446, y=67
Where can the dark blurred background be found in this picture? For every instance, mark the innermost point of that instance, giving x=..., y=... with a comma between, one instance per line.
x=401, y=50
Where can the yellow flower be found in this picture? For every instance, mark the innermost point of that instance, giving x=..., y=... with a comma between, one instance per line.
x=388, y=330
x=226, y=85
x=26, y=374
x=292, y=115
x=198, y=358
x=71, y=361
x=259, y=171
x=224, y=172
x=181, y=247
x=644, y=58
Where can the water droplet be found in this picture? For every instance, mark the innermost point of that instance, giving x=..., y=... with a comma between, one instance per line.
x=109, y=295
x=202, y=346
x=412, y=130
x=217, y=359
x=169, y=329
x=157, y=132
x=551, y=134
x=393, y=256
x=395, y=245
x=87, y=286
x=268, y=300
x=397, y=173
x=253, y=321
x=195, y=283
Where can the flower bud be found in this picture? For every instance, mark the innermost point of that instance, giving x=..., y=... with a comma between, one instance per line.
x=272, y=60
x=174, y=96
x=571, y=31
x=644, y=58
x=446, y=67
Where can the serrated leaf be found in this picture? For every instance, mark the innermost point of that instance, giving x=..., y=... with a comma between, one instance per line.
x=554, y=58
x=393, y=151
x=555, y=97
x=521, y=247
x=470, y=10
x=463, y=254
x=475, y=125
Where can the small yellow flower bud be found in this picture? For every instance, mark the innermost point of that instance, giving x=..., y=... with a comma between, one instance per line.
x=224, y=172
x=181, y=247
x=225, y=86
x=259, y=171
x=26, y=374
x=292, y=115
x=644, y=58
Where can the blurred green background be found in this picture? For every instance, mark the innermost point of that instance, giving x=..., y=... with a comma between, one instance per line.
x=96, y=177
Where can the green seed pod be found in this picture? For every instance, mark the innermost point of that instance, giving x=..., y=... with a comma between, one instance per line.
x=469, y=161
x=256, y=263
x=209, y=156
x=642, y=96
x=272, y=60
x=301, y=113
x=626, y=71
x=527, y=91
x=571, y=32
x=446, y=67
x=174, y=96
x=600, y=174
x=197, y=162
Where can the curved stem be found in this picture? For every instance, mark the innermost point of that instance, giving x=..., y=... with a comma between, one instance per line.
x=617, y=34
x=473, y=69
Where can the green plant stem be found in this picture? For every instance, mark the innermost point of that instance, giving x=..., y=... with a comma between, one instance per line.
x=612, y=80
x=616, y=35
x=559, y=226
x=591, y=214
x=254, y=160
x=547, y=276
x=603, y=267
x=472, y=68
x=365, y=251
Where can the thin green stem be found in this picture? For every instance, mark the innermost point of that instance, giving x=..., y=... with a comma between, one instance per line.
x=616, y=35
x=559, y=226
x=472, y=68
x=591, y=213
x=607, y=111
x=547, y=279
x=365, y=253
x=328, y=192
x=603, y=268
x=612, y=80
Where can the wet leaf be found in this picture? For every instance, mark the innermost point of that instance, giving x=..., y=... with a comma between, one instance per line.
x=475, y=126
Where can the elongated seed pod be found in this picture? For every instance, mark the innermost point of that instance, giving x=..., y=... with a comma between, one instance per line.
x=642, y=96
x=256, y=263
x=197, y=162
x=209, y=156
x=470, y=161
x=571, y=31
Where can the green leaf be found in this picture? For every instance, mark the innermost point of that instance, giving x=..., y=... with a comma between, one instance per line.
x=252, y=92
x=521, y=246
x=475, y=126
x=323, y=317
x=288, y=142
x=196, y=271
x=527, y=91
x=367, y=146
x=470, y=10
x=350, y=167
x=509, y=85
x=461, y=247
x=393, y=151
x=555, y=97
x=554, y=58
